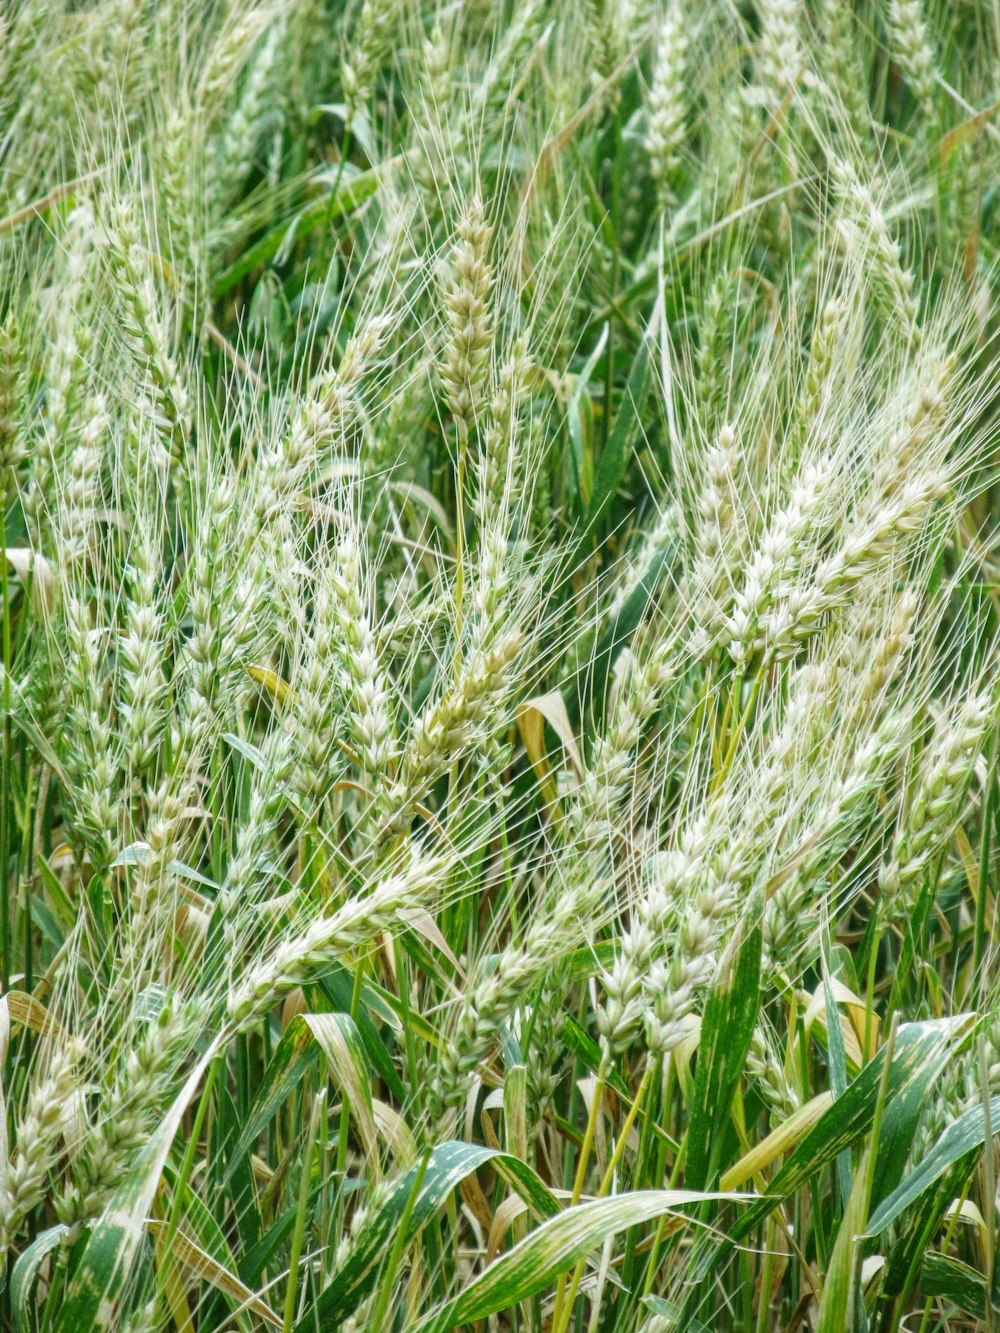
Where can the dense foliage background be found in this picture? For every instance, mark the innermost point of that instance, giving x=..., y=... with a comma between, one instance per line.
x=498, y=718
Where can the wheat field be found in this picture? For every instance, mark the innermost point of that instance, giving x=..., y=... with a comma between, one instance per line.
x=500, y=625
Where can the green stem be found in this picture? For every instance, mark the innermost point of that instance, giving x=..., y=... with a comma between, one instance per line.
x=385, y=1292
x=345, y=1108
x=581, y=1176
x=187, y=1162
x=559, y=1324
x=463, y=451
x=295, y=1254
x=5, y=774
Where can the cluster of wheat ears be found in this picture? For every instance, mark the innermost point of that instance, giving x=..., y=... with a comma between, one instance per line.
x=499, y=812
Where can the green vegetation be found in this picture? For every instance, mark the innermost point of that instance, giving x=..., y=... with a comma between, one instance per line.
x=498, y=811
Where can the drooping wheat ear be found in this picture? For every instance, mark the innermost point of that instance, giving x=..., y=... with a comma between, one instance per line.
x=328, y=938
x=144, y=327
x=13, y=444
x=791, y=747
x=792, y=622
x=367, y=46
x=865, y=230
x=465, y=363
x=323, y=420
x=780, y=59
x=772, y=572
x=36, y=1138
x=668, y=102
x=672, y=987
x=455, y=722
x=127, y=1113
x=932, y=807
x=581, y=885
x=911, y=49
x=898, y=505
x=766, y=1068
x=470, y=706
x=491, y=996
x=620, y=1015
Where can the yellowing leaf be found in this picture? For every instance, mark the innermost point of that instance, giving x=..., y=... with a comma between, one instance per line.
x=31, y=1013
x=852, y=1021
x=966, y=132
x=778, y=1142
x=197, y=1261
x=531, y=717
x=272, y=682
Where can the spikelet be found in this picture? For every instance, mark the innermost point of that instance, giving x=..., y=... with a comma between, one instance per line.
x=36, y=1139
x=227, y=56
x=841, y=66
x=367, y=47
x=13, y=446
x=911, y=49
x=371, y=713
x=780, y=59
x=866, y=232
x=491, y=100
x=667, y=107
x=145, y=331
x=141, y=655
x=254, y=109
x=126, y=1114
x=466, y=299
x=772, y=571
x=931, y=810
